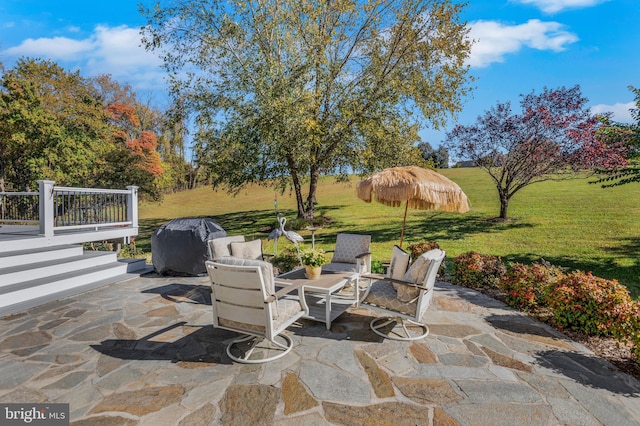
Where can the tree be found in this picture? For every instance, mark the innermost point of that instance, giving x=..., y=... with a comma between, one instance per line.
x=133, y=157
x=554, y=136
x=283, y=91
x=627, y=137
x=52, y=125
x=439, y=158
x=56, y=124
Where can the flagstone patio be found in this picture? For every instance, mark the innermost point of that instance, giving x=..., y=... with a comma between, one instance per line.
x=145, y=352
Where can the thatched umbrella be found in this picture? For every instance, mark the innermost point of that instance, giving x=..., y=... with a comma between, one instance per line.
x=419, y=188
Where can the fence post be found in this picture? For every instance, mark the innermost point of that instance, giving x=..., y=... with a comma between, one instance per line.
x=132, y=205
x=45, y=207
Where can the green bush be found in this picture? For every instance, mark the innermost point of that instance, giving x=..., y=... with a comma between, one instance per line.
x=476, y=270
x=527, y=286
x=286, y=260
x=586, y=303
x=377, y=267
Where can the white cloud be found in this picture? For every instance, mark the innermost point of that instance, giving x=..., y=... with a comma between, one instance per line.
x=53, y=48
x=553, y=6
x=118, y=52
x=108, y=50
x=620, y=111
x=494, y=40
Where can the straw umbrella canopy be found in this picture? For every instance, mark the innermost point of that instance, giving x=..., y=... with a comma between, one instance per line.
x=418, y=188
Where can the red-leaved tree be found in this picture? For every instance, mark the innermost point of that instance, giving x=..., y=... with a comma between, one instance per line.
x=553, y=137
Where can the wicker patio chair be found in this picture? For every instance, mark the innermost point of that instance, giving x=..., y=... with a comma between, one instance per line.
x=404, y=300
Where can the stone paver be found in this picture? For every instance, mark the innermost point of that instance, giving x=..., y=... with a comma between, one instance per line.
x=145, y=352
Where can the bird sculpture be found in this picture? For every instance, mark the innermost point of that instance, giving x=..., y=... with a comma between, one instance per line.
x=274, y=235
x=292, y=236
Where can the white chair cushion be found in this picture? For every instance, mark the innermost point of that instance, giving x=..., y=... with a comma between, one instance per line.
x=284, y=309
x=247, y=250
x=221, y=247
x=415, y=274
x=348, y=246
x=265, y=267
x=399, y=263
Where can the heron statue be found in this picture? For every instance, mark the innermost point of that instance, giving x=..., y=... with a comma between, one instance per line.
x=292, y=236
x=274, y=235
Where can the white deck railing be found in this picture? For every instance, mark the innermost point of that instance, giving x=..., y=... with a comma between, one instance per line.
x=55, y=209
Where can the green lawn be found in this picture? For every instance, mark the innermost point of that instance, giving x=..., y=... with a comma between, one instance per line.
x=568, y=223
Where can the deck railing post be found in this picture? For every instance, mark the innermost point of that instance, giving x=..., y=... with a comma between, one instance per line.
x=132, y=206
x=46, y=220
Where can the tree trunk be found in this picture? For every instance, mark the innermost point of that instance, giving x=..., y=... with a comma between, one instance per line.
x=504, y=204
x=313, y=188
x=297, y=188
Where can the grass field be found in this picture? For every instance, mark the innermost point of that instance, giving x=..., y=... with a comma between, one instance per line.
x=568, y=223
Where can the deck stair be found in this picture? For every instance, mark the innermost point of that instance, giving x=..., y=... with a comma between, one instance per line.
x=33, y=277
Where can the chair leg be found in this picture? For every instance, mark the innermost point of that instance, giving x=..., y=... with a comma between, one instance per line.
x=401, y=323
x=271, y=345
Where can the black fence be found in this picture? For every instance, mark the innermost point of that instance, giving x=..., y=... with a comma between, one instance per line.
x=19, y=207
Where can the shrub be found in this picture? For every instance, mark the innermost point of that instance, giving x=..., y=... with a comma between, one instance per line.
x=285, y=261
x=377, y=267
x=626, y=326
x=417, y=249
x=476, y=270
x=527, y=286
x=593, y=305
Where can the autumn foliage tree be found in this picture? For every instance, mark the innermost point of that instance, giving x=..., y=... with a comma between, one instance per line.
x=57, y=125
x=134, y=146
x=553, y=137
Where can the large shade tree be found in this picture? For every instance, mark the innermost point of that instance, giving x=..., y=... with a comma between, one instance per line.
x=553, y=137
x=52, y=126
x=283, y=91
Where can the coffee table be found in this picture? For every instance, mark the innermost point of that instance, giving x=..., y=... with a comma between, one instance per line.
x=318, y=293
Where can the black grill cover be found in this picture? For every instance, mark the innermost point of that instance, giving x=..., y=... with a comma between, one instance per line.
x=179, y=247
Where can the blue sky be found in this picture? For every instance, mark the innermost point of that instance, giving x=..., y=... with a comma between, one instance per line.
x=522, y=45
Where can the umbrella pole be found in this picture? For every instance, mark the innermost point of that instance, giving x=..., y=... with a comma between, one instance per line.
x=404, y=221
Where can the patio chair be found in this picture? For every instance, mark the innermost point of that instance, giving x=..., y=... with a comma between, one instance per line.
x=405, y=300
x=352, y=254
x=235, y=246
x=244, y=300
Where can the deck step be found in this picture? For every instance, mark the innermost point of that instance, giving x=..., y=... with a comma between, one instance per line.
x=29, y=278
x=25, y=257
x=25, y=295
x=20, y=273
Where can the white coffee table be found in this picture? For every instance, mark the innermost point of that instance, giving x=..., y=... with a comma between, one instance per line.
x=318, y=293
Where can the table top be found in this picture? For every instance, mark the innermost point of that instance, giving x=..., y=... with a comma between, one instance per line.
x=329, y=280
